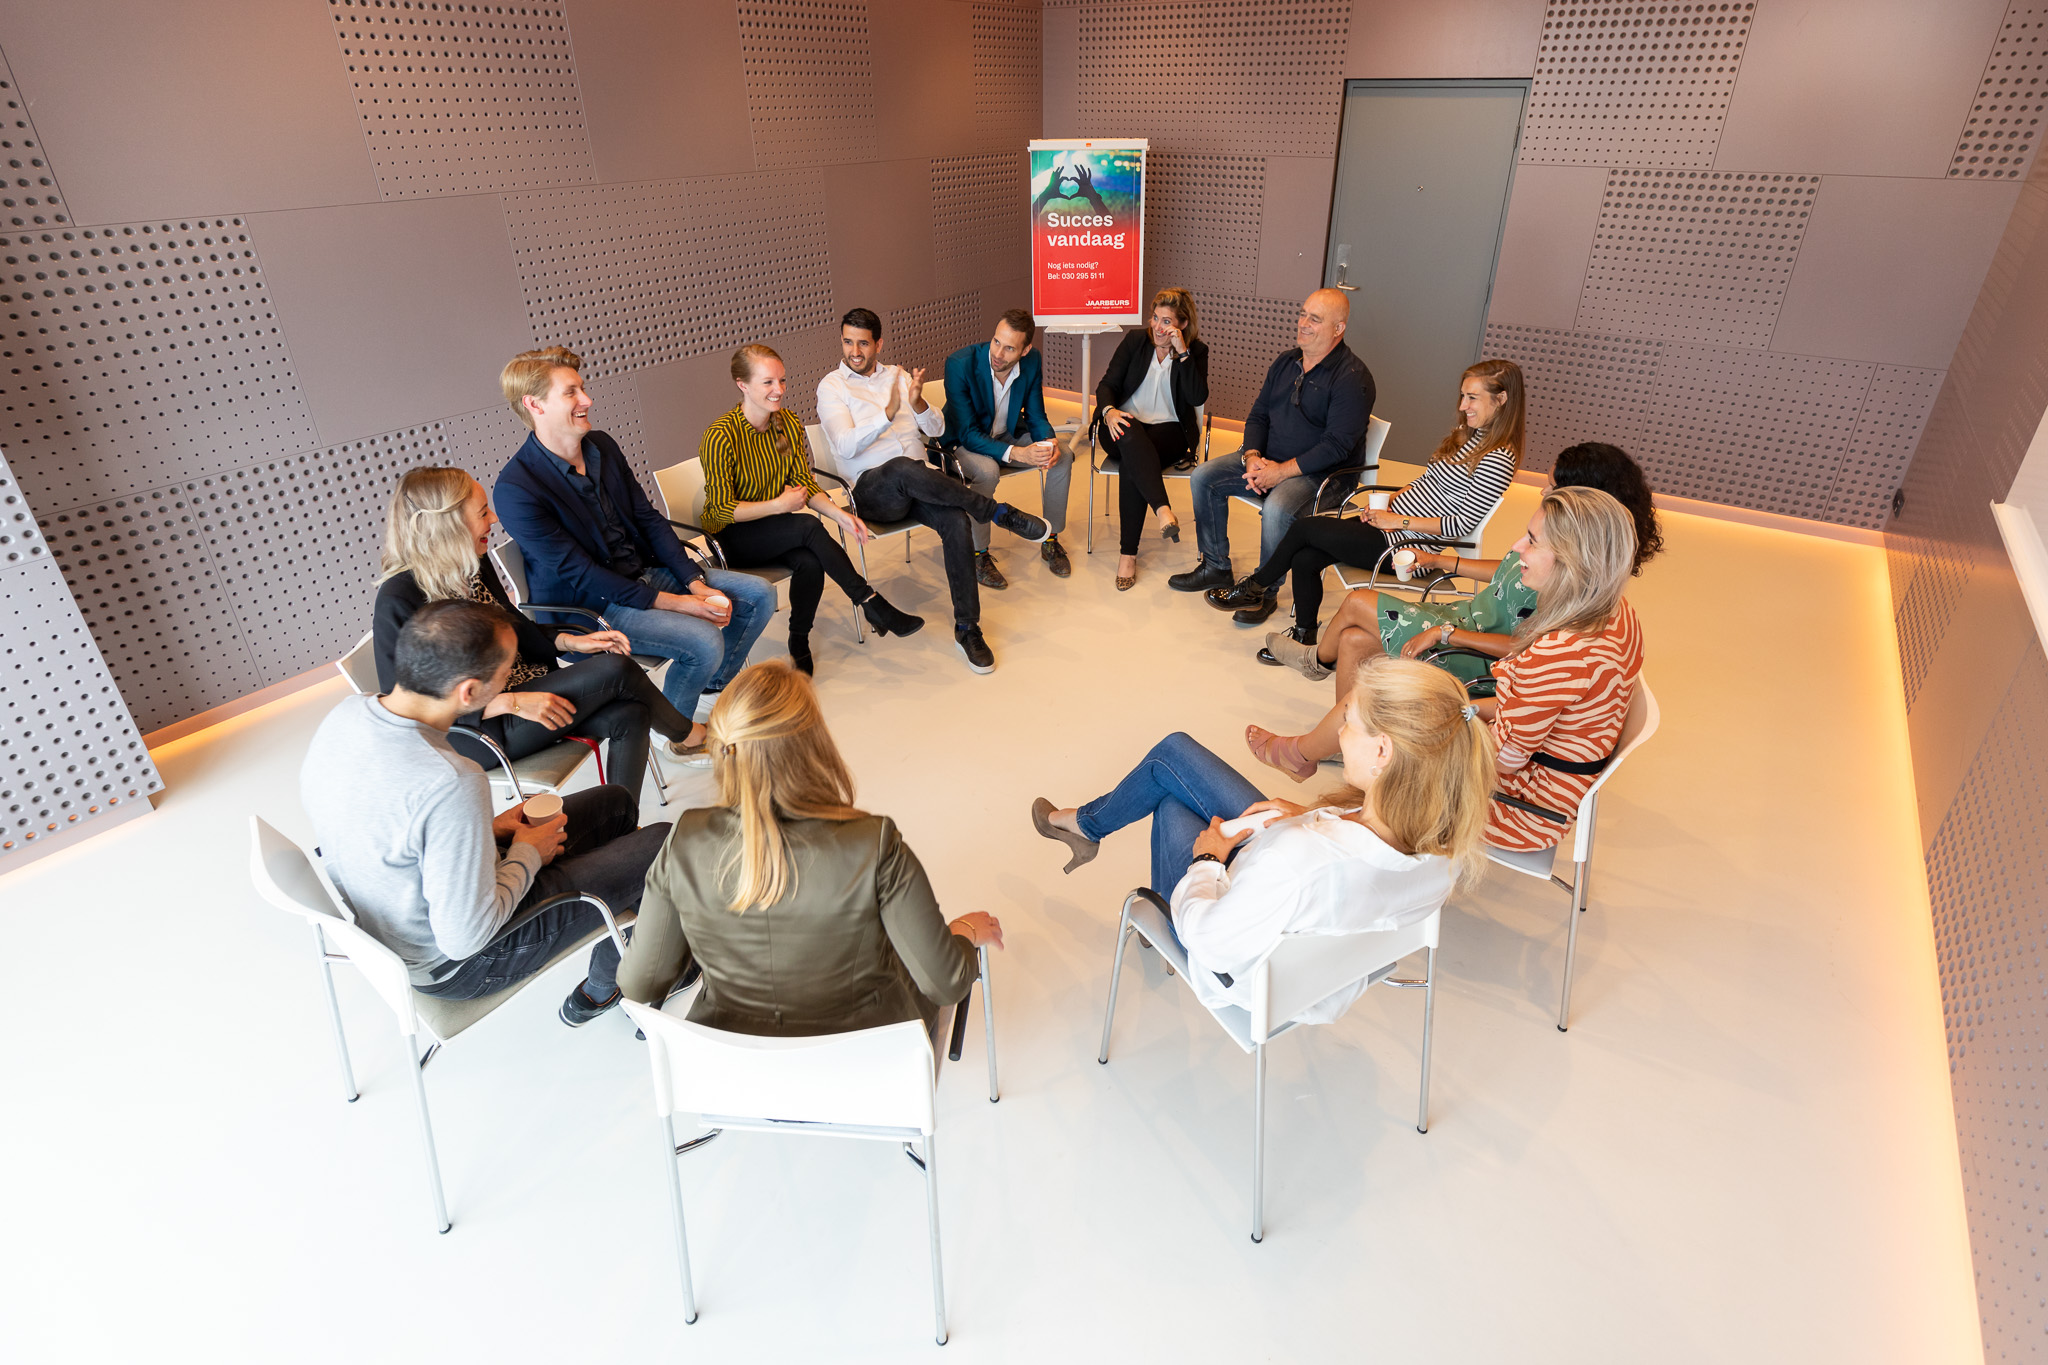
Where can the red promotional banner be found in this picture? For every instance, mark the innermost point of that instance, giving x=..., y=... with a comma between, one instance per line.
x=1087, y=232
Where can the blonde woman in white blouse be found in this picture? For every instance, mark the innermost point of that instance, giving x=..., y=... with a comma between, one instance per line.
x=1380, y=853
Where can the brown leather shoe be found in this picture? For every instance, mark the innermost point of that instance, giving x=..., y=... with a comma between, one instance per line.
x=1055, y=557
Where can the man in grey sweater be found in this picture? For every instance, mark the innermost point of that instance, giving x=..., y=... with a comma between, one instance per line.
x=406, y=833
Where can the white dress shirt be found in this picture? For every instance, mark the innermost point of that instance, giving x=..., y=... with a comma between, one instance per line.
x=1153, y=402
x=1314, y=873
x=859, y=430
x=1000, y=423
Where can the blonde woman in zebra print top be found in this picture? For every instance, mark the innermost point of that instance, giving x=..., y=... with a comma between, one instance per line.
x=1461, y=486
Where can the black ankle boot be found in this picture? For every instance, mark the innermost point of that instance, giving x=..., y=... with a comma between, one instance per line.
x=800, y=653
x=887, y=620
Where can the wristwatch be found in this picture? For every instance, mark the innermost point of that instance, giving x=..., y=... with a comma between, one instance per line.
x=1205, y=858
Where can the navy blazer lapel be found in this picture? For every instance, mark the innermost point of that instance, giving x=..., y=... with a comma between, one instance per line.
x=984, y=383
x=550, y=469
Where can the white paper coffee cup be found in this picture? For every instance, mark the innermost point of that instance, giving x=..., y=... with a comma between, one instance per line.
x=720, y=601
x=541, y=809
x=1404, y=564
x=1379, y=502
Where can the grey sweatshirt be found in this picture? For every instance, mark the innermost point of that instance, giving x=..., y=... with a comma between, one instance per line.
x=404, y=827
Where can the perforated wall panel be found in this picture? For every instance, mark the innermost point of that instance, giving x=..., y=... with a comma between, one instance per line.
x=1007, y=39
x=1245, y=336
x=924, y=334
x=1695, y=255
x=807, y=357
x=634, y=275
x=138, y=352
x=1270, y=74
x=810, y=81
x=30, y=198
x=1633, y=85
x=1882, y=444
x=2004, y=126
x=69, y=751
x=978, y=229
x=1581, y=386
x=1985, y=872
x=1931, y=554
x=1202, y=216
x=461, y=98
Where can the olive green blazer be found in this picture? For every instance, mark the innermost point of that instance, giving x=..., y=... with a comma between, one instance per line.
x=859, y=943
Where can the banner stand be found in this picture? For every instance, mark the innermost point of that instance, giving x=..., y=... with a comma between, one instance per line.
x=1087, y=331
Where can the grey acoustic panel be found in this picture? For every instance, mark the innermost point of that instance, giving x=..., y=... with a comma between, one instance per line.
x=1752, y=429
x=464, y=98
x=139, y=569
x=1699, y=256
x=138, y=354
x=878, y=222
x=1635, y=85
x=1581, y=387
x=1931, y=534
x=1245, y=336
x=1545, y=243
x=922, y=335
x=2004, y=126
x=1258, y=77
x=663, y=91
x=1202, y=220
x=634, y=275
x=807, y=357
x=978, y=218
x=810, y=81
x=1986, y=868
x=483, y=442
x=28, y=192
x=69, y=750
x=1444, y=39
x=1880, y=447
x=1294, y=225
x=1007, y=41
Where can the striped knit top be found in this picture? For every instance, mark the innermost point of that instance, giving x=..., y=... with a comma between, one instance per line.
x=1566, y=695
x=1461, y=497
x=745, y=465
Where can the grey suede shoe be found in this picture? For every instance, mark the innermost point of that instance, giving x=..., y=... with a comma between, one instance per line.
x=1290, y=652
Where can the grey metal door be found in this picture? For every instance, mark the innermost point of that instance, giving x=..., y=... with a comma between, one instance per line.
x=1423, y=170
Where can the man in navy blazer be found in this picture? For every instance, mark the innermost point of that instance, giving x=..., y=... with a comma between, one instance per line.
x=592, y=540
x=996, y=423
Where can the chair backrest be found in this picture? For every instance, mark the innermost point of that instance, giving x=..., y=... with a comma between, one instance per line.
x=1305, y=968
x=871, y=1078
x=359, y=666
x=511, y=566
x=286, y=877
x=935, y=393
x=821, y=452
x=1641, y=722
x=1376, y=429
x=682, y=491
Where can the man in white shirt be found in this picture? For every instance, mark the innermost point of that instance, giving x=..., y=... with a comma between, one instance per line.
x=874, y=417
x=996, y=425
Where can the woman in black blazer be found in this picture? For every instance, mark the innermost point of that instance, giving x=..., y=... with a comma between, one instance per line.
x=1145, y=416
x=434, y=541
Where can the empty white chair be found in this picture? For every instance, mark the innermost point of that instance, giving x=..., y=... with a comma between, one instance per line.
x=873, y=1083
x=547, y=770
x=1301, y=970
x=286, y=878
x=1640, y=724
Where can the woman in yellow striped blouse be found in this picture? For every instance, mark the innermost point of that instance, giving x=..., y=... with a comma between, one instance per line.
x=757, y=483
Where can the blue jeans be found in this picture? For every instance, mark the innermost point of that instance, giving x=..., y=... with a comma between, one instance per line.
x=706, y=656
x=1216, y=481
x=1181, y=786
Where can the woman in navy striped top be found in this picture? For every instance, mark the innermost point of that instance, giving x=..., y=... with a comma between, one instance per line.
x=1463, y=483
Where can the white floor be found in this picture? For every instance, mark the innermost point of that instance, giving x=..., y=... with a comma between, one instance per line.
x=1742, y=1151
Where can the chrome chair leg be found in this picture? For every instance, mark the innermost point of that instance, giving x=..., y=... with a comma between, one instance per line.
x=348, y=1074
x=419, y=1094
x=988, y=1026
x=931, y=1204
x=675, y=1200
x=1571, y=945
x=1428, y=1018
x=1116, y=970
x=1259, y=1143
x=660, y=780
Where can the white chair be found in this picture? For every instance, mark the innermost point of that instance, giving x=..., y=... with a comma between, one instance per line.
x=286, y=878
x=1382, y=577
x=547, y=770
x=874, y=1083
x=1640, y=724
x=1111, y=467
x=1376, y=430
x=1301, y=970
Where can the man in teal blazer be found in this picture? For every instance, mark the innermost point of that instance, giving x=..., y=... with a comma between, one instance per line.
x=996, y=424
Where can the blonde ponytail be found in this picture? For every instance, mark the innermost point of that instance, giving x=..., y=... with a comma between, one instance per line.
x=774, y=761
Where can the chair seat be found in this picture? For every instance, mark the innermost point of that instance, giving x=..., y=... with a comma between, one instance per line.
x=450, y=1017
x=1153, y=928
x=549, y=768
x=1537, y=864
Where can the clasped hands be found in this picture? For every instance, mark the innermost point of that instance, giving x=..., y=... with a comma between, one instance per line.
x=1262, y=475
x=1214, y=842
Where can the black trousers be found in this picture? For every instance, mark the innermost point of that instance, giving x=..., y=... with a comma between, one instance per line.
x=1145, y=451
x=904, y=489
x=614, y=700
x=1313, y=544
x=800, y=543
